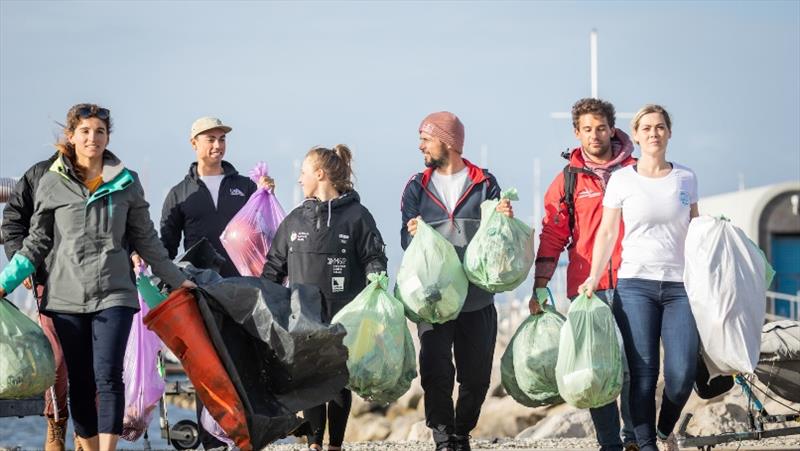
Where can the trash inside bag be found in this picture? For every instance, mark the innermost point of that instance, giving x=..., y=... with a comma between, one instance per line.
x=144, y=385
x=26, y=358
x=589, y=367
x=501, y=253
x=528, y=365
x=431, y=282
x=726, y=277
x=376, y=340
x=249, y=233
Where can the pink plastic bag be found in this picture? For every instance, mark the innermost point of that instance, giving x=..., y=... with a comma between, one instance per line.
x=212, y=427
x=249, y=234
x=143, y=383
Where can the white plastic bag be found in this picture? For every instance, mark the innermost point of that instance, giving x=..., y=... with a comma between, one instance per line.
x=726, y=278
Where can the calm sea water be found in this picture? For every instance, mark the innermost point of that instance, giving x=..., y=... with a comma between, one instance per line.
x=28, y=433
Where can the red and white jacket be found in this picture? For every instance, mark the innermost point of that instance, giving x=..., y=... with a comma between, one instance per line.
x=588, y=200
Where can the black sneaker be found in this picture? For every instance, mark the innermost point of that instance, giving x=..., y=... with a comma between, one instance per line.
x=460, y=442
x=444, y=446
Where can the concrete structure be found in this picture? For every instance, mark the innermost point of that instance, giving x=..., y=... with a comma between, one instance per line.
x=770, y=216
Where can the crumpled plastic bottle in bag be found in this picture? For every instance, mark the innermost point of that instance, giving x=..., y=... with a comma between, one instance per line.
x=501, y=253
x=589, y=367
x=431, y=282
x=249, y=234
x=27, y=365
x=528, y=365
x=377, y=342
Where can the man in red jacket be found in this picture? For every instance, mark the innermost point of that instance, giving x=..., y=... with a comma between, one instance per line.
x=573, y=209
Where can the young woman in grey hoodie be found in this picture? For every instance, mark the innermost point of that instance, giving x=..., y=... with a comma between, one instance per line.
x=90, y=214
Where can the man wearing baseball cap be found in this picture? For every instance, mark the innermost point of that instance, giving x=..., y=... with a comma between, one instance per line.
x=447, y=196
x=203, y=203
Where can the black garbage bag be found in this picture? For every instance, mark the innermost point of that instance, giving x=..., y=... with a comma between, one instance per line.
x=279, y=355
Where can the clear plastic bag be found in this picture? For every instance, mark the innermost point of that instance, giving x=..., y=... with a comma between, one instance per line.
x=528, y=365
x=431, y=282
x=589, y=367
x=377, y=341
x=248, y=236
x=501, y=253
x=27, y=364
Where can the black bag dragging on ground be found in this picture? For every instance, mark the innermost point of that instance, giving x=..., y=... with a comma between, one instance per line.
x=279, y=355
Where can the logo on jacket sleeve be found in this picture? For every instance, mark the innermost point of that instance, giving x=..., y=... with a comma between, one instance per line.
x=237, y=192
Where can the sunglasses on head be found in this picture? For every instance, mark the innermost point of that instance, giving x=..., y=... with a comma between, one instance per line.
x=85, y=112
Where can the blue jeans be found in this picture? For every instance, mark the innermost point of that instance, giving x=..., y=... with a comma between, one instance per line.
x=649, y=313
x=94, y=348
x=606, y=418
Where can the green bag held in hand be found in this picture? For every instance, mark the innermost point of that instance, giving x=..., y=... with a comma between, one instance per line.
x=589, y=368
x=501, y=253
x=27, y=364
x=528, y=365
x=377, y=341
x=431, y=282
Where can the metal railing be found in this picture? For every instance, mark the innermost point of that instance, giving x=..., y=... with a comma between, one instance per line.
x=794, y=306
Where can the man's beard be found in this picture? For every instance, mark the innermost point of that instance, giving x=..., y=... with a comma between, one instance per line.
x=435, y=163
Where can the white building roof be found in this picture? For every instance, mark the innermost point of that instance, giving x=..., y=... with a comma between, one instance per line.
x=744, y=207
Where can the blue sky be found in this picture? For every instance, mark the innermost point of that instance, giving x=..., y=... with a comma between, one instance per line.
x=290, y=75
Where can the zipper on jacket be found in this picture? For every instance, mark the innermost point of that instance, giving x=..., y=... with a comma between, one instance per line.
x=451, y=215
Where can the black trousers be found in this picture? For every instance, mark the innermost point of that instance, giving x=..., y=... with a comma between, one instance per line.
x=336, y=413
x=471, y=338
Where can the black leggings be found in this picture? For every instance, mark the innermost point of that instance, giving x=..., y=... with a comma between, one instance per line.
x=337, y=420
x=94, y=349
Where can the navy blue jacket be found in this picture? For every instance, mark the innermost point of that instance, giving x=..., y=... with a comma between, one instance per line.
x=420, y=198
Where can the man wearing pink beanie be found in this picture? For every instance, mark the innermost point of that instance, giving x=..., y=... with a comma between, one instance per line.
x=448, y=196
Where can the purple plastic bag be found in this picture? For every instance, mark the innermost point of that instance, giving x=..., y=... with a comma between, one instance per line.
x=212, y=427
x=249, y=234
x=143, y=383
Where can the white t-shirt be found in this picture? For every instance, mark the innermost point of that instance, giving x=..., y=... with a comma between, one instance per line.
x=450, y=187
x=655, y=212
x=212, y=183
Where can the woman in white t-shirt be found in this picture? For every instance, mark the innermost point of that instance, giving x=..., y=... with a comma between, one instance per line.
x=655, y=199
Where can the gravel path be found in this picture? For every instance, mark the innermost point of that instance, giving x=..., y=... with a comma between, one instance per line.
x=781, y=443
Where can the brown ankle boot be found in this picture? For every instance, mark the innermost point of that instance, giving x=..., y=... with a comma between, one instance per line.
x=56, y=431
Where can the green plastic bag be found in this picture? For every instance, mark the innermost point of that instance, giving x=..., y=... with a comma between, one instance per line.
x=501, y=253
x=431, y=282
x=528, y=365
x=378, y=343
x=589, y=367
x=27, y=365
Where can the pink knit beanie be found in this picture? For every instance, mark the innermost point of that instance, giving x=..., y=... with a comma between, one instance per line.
x=446, y=126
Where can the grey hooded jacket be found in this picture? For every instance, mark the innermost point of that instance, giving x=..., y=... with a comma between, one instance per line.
x=90, y=269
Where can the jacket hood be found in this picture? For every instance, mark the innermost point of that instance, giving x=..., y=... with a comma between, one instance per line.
x=319, y=212
x=227, y=169
x=112, y=166
x=473, y=172
x=621, y=148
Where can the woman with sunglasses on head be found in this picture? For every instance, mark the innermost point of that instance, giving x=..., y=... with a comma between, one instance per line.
x=90, y=213
x=330, y=241
x=655, y=199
